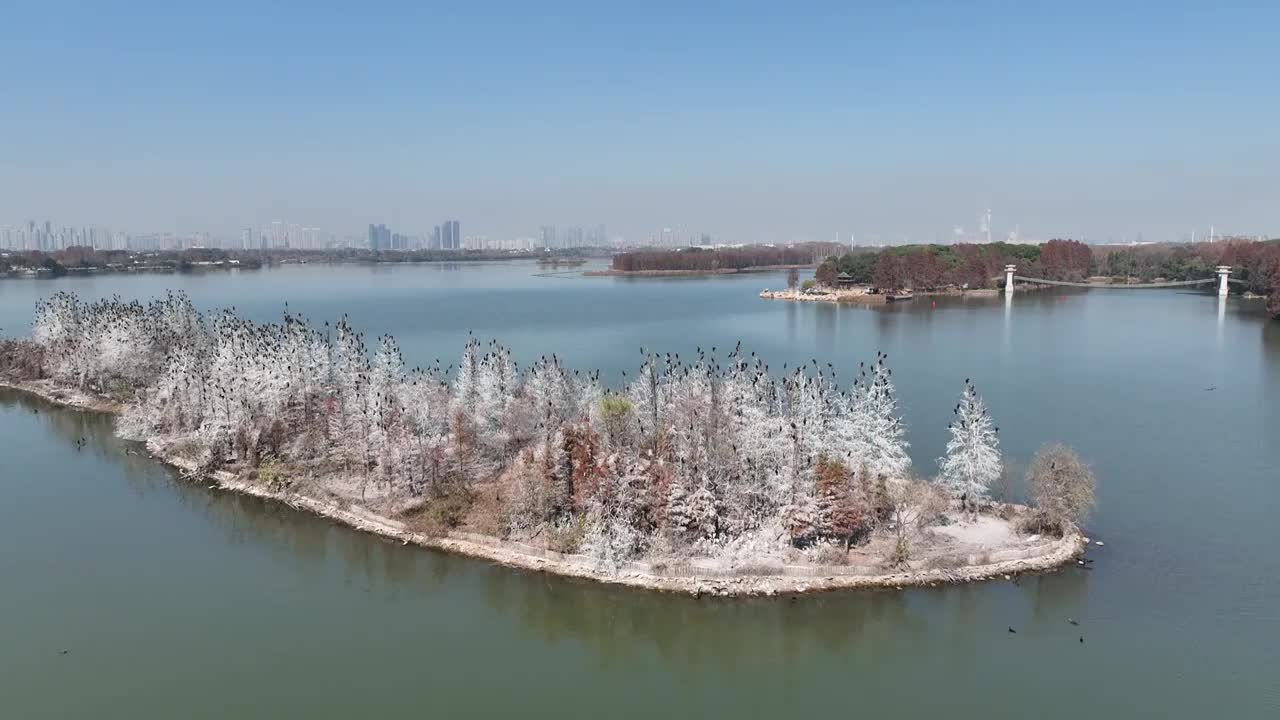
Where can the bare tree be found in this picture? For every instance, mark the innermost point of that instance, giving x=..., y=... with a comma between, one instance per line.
x=913, y=504
x=1061, y=487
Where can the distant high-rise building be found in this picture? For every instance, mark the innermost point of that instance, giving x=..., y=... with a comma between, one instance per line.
x=450, y=235
x=572, y=236
x=379, y=237
x=548, y=236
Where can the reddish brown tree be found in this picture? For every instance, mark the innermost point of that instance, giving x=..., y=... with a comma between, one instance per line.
x=1069, y=260
x=844, y=512
x=696, y=259
x=890, y=273
x=587, y=471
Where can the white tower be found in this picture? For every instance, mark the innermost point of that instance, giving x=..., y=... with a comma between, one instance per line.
x=1224, y=272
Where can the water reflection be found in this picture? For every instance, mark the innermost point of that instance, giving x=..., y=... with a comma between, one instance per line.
x=1007, y=335
x=1221, y=322
x=826, y=324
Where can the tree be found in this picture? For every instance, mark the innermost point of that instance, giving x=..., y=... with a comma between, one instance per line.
x=616, y=533
x=826, y=274
x=679, y=516
x=704, y=512
x=843, y=510
x=1062, y=488
x=871, y=432
x=972, y=461
x=496, y=382
x=889, y=273
x=800, y=518
x=1066, y=260
x=911, y=504
x=616, y=414
x=558, y=468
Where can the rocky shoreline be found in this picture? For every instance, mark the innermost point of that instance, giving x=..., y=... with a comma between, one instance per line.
x=1047, y=554
x=863, y=296
x=853, y=295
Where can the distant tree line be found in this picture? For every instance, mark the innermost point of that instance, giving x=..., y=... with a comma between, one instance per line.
x=703, y=260
x=1256, y=263
x=82, y=258
x=929, y=267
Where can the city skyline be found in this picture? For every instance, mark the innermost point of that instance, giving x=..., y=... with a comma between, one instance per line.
x=277, y=234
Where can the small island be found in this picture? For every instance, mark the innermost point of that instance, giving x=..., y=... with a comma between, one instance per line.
x=697, y=261
x=708, y=475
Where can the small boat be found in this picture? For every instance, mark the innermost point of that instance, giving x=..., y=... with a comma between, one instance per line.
x=902, y=295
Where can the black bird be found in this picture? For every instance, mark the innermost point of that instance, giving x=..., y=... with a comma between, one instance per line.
x=1012, y=631
x=1081, y=639
x=1072, y=621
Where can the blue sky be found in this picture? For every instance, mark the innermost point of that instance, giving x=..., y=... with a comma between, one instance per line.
x=753, y=121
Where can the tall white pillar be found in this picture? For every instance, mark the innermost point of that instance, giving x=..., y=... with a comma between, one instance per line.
x=1224, y=272
x=1008, y=278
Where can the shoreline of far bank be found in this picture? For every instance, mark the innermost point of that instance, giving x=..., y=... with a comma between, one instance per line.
x=695, y=273
x=861, y=295
x=1037, y=555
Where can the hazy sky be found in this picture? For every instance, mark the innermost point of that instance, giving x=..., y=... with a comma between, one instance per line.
x=756, y=122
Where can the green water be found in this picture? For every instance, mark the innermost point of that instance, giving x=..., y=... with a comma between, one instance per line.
x=172, y=600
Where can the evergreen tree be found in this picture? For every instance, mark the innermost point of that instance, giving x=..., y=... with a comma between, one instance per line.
x=882, y=435
x=972, y=461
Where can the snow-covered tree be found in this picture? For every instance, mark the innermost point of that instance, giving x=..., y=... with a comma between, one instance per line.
x=879, y=441
x=680, y=519
x=466, y=387
x=497, y=382
x=615, y=533
x=705, y=450
x=972, y=461
x=704, y=512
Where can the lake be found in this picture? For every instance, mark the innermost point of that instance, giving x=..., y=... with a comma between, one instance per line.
x=172, y=600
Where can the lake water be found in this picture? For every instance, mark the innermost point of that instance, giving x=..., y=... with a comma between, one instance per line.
x=172, y=600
